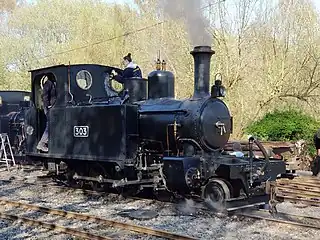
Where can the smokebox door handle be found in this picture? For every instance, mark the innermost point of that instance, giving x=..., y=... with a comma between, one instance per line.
x=222, y=127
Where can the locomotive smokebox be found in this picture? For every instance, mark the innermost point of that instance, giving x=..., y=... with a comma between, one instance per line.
x=202, y=56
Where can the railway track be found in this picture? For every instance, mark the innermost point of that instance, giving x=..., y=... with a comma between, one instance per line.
x=283, y=218
x=84, y=217
x=231, y=205
x=302, y=189
x=202, y=206
x=307, y=185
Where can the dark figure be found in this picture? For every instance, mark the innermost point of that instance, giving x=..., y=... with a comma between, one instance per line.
x=131, y=70
x=49, y=97
x=237, y=150
x=315, y=166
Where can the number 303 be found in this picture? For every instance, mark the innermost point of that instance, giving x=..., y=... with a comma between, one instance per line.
x=81, y=131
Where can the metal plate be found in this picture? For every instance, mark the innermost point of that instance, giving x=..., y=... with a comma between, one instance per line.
x=140, y=214
x=125, y=213
x=80, y=131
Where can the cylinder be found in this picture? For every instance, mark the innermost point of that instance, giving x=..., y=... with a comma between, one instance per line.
x=202, y=56
x=160, y=84
x=137, y=89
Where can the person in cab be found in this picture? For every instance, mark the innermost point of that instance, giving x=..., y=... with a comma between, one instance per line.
x=131, y=70
x=49, y=97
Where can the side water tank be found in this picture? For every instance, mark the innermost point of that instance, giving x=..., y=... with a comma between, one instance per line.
x=137, y=89
x=161, y=83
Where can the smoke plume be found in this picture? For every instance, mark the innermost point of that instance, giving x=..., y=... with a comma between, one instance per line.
x=191, y=207
x=188, y=207
x=191, y=12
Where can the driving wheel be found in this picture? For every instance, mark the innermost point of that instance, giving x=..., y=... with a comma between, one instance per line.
x=216, y=192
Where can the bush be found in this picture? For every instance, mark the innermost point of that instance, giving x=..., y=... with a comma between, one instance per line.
x=289, y=125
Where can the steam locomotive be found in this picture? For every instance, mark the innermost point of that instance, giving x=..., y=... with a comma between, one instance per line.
x=13, y=105
x=140, y=136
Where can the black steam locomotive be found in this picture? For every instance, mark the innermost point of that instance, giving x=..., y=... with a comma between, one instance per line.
x=13, y=105
x=140, y=136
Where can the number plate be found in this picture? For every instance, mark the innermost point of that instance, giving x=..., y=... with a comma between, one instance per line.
x=81, y=131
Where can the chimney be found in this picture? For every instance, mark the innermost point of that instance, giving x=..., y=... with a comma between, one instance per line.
x=202, y=56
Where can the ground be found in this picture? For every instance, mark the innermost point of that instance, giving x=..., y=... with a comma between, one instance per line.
x=183, y=219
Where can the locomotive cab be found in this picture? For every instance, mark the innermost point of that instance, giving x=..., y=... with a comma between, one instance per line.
x=35, y=119
x=82, y=91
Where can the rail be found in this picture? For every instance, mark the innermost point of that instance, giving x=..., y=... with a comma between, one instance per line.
x=54, y=227
x=258, y=215
x=86, y=217
x=301, y=182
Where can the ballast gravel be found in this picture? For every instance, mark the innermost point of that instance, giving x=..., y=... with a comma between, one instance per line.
x=186, y=219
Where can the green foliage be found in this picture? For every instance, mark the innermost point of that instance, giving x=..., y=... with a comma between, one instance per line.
x=288, y=125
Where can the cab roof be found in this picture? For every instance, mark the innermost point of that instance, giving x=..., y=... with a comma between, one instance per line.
x=71, y=65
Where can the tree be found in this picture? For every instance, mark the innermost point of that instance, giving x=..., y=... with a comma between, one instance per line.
x=267, y=51
x=7, y=5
